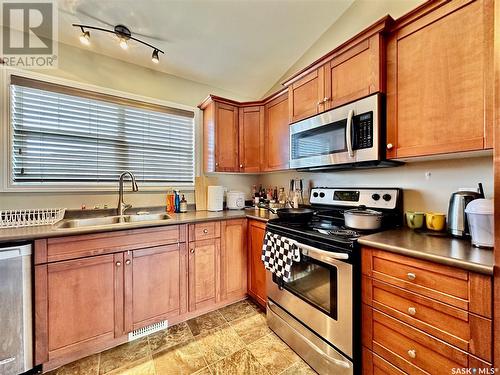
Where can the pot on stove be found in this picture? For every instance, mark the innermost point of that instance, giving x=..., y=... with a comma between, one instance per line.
x=363, y=219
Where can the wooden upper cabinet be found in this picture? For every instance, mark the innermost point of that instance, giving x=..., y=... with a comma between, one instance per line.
x=251, y=134
x=276, y=134
x=355, y=72
x=155, y=285
x=256, y=271
x=204, y=273
x=220, y=136
x=307, y=96
x=233, y=258
x=439, y=86
x=226, y=138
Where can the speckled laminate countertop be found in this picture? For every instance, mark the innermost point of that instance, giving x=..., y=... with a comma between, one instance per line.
x=445, y=250
x=45, y=231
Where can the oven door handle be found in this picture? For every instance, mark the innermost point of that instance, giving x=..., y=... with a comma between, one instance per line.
x=348, y=133
x=335, y=361
x=322, y=255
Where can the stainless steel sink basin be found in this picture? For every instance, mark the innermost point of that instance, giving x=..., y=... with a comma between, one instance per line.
x=109, y=220
x=146, y=217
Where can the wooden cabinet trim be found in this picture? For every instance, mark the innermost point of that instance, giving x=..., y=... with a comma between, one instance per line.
x=41, y=315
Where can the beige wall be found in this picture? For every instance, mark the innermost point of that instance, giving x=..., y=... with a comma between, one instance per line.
x=427, y=185
x=83, y=66
x=361, y=14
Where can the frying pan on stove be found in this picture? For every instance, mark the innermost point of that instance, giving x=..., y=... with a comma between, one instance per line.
x=298, y=215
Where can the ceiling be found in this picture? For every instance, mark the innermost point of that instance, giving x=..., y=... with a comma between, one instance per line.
x=243, y=46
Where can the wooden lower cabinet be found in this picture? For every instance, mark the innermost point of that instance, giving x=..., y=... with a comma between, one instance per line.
x=204, y=273
x=79, y=305
x=233, y=258
x=256, y=272
x=419, y=317
x=155, y=285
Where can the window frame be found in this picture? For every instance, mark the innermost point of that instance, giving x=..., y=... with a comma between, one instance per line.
x=6, y=173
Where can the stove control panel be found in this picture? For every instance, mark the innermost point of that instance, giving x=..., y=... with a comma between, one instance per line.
x=349, y=197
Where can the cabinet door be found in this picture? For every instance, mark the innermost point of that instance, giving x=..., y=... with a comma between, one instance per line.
x=226, y=138
x=204, y=273
x=276, y=134
x=355, y=73
x=439, y=94
x=233, y=259
x=155, y=285
x=79, y=305
x=307, y=95
x=257, y=272
x=251, y=132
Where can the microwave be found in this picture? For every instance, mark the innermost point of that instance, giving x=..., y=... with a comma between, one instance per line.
x=343, y=138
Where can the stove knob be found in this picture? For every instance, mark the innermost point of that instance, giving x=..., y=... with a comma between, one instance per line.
x=321, y=195
x=315, y=195
x=375, y=197
x=387, y=197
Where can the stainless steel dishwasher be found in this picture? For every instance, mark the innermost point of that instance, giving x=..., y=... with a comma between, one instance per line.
x=16, y=329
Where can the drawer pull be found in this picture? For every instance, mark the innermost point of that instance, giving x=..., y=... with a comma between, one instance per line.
x=191, y=251
x=128, y=261
x=118, y=264
x=411, y=276
x=205, y=231
x=412, y=310
x=412, y=353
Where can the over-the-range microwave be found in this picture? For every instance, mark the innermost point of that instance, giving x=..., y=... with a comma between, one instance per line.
x=350, y=136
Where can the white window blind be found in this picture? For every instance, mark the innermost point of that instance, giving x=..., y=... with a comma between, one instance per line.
x=60, y=137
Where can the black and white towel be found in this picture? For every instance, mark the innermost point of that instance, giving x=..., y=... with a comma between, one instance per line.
x=278, y=255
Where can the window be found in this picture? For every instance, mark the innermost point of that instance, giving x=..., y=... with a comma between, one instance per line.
x=66, y=135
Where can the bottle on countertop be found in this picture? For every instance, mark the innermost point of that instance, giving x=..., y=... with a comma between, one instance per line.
x=170, y=201
x=177, y=202
x=183, y=205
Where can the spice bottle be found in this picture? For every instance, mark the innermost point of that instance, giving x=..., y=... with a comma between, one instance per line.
x=184, y=204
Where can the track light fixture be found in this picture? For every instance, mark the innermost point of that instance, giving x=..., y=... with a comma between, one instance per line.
x=124, y=35
x=154, y=57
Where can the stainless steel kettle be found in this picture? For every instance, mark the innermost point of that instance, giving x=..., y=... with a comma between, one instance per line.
x=457, y=219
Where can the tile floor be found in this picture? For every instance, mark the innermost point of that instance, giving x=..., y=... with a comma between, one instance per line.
x=231, y=341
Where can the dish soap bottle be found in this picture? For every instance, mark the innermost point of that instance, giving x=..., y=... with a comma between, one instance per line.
x=184, y=204
x=177, y=202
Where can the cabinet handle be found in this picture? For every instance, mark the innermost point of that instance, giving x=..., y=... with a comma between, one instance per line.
x=191, y=251
x=412, y=353
x=205, y=231
x=412, y=310
x=325, y=100
x=411, y=276
x=390, y=146
x=241, y=165
x=216, y=164
x=127, y=262
x=118, y=264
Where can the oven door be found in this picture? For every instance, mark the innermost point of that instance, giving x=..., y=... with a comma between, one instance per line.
x=343, y=135
x=319, y=294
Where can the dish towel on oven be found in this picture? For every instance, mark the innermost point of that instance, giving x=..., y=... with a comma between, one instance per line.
x=278, y=255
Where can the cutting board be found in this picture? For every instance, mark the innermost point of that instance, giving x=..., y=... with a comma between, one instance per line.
x=200, y=191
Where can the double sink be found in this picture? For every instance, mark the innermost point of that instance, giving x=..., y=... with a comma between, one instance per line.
x=109, y=220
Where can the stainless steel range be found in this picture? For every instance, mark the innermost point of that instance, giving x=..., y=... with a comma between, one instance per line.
x=318, y=311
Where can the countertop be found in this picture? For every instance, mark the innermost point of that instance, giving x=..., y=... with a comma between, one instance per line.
x=445, y=250
x=45, y=231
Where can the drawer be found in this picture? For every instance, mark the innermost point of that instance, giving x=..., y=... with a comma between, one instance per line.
x=419, y=275
x=71, y=247
x=204, y=231
x=412, y=350
x=453, y=286
x=458, y=327
x=376, y=365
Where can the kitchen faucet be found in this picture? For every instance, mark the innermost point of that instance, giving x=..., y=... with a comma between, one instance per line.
x=122, y=206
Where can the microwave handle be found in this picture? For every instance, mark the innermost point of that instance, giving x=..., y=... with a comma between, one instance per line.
x=348, y=133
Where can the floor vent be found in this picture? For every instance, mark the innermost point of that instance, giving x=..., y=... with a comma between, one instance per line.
x=141, y=332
